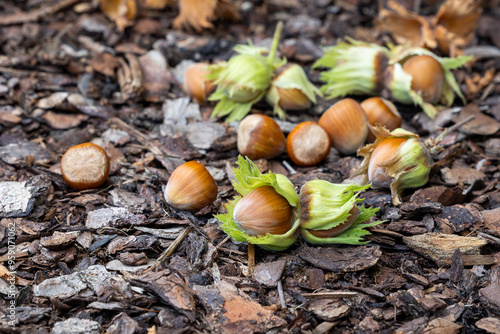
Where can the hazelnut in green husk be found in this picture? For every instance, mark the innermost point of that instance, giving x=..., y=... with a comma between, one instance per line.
x=396, y=160
x=418, y=76
x=291, y=90
x=267, y=213
x=331, y=214
x=244, y=79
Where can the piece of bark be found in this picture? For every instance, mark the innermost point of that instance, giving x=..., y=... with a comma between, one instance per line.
x=457, y=175
x=329, y=309
x=491, y=297
x=18, y=199
x=269, y=273
x=123, y=324
x=141, y=242
x=442, y=326
x=444, y=195
x=411, y=210
x=30, y=314
x=440, y=247
x=457, y=267
x=311, y=278
x=95, y=277
x=59, y=239
x=105, y=64
x=489, y=324
x=76, y=326
x=492, y=219
x=133, y=259
x=342, y=259
x=112, y=217
x=17, y=153
x=171, y=288
x=230, y=310
x=452, y=313
x=480, y=125
x=456, y=218
x=492, y=147
x=156, y=75
x=415, y=326
x=117, y=265
x=412, y=227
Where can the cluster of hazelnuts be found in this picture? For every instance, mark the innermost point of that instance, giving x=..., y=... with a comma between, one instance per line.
x=344, y=126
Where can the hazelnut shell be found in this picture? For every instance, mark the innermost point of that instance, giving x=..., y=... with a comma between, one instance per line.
x=308, y=144
x=260, y=137
x=85, y=166
x=263, y=211
x=190, y=187
x=346, y=124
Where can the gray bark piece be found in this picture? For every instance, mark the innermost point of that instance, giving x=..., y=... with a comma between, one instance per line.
x=202, y=134
x=31, y=315
x=177, y=111
x=119, y=266
x=17, y=153
x=269, y=273
x=17, y=199
x=131, y=201
x=52, y=101
x=61, y=287
x=166, y=233
x=77, y=326
x=5, y=287
x=95, y=277
x=114, y=217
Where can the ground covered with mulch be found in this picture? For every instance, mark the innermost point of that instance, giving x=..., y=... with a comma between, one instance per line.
x=118, y=259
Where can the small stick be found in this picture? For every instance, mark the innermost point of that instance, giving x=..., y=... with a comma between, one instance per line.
x=289, y=168
x=251, y=259
x=222, y=242
x=231, y=251
x=281, y=295
x=331, y=294
x=453, y=128
x=170, y=250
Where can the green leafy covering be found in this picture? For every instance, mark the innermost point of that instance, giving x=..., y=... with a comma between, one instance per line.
x=247, y=178
x=329, y=205
x=351, y=68
x=400, y=85
x=293, y=77
x=244, y=79
x=352, y=236
x=269, y=241
x=326, y=205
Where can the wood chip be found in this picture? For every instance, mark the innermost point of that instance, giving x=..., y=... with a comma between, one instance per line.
x=440, y=247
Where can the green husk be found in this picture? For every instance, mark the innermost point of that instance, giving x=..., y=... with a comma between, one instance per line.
x=400, y=84
x=354, y=67
x=244, y=79
x=247, y=178
x=409, y=167
x=352, y=236
x=292, y=77
x=327, y=205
